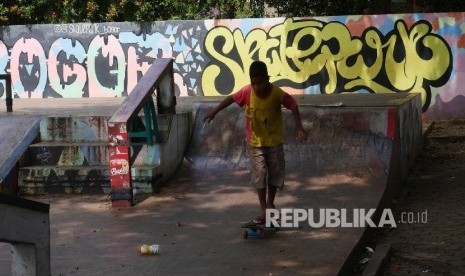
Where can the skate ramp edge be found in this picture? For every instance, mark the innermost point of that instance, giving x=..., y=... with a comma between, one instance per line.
x=340, y=138
x=16, y=134
x=364, y=148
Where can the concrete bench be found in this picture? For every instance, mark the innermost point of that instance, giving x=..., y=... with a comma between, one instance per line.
x=25, y=224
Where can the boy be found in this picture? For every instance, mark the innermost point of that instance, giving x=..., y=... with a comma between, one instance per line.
x=264, y=126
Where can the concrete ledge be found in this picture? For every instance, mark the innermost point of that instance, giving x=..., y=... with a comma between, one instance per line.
x=24, y=203
x=378, y=260
x=25, y=224
x=16, y=134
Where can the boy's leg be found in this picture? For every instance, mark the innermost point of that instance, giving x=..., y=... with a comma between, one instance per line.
x=271, y=195
x=258, y=177
x=276, y=168
x=261, y=192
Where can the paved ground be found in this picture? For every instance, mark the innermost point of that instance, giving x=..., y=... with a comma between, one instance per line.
x=197, y=227
x=435, y=185
x=89, y=237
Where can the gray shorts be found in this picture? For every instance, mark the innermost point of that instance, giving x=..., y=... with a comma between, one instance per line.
x=268, y=166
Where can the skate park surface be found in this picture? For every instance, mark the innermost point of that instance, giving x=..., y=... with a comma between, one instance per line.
x=354, y=157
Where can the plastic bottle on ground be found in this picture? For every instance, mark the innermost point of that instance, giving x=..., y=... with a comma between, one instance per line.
x=145, y=249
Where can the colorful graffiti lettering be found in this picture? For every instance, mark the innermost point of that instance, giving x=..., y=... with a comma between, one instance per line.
x=97, y=60
x=402, y=53
x=309, y=52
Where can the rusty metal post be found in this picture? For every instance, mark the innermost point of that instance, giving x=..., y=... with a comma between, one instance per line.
x=9, y=97
x=120, y=167
x=159, y=75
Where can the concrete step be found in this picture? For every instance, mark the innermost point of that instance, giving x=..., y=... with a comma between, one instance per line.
x=66, y=154
x=73, y=158
x=87, y=154
x=39, y=180
x=74, y=129
x=88, y=128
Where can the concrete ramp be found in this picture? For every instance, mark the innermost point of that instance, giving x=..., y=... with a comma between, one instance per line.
x=345, y=164
x=355, y=157
x=16, y=134
x=341, y=140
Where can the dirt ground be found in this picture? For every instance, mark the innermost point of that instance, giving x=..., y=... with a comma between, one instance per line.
x=432, y=241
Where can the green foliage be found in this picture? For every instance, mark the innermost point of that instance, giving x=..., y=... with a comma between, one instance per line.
x=14, y=12
x=3, y=13
x=319, y=7
x=21, y=12
x=224, y=9
x=439, y=6
x=68, y=11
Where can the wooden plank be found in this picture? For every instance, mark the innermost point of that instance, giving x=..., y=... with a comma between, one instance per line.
x=143, y=89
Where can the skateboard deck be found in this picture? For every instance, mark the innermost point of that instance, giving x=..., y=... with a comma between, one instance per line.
x=258, y=230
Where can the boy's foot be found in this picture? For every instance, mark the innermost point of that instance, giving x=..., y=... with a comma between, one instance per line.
x=259, y=220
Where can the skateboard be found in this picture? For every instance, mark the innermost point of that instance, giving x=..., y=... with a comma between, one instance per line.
x=258, y=231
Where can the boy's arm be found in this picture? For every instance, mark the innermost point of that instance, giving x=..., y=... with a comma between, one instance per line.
x=222, y=105
x=290, y=103
x=301, y=134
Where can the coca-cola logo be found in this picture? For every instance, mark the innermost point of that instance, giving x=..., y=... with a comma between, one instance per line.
x=115, y=171
x=124, y=169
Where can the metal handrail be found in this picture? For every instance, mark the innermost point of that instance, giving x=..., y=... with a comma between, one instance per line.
x=159, y=78
x=9, y=97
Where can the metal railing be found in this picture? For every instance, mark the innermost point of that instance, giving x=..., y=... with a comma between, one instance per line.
x=9, y=97
x=159, y=79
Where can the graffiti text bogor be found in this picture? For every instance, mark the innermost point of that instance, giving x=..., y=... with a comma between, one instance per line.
x=97, y=60
x=69, y=76
x=301, y=52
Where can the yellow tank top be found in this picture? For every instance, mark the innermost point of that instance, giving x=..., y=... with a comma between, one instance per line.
x=265, y=118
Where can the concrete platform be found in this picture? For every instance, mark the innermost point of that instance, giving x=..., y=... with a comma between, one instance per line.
x=25, y=225
x=350, y=161
x=60, y=107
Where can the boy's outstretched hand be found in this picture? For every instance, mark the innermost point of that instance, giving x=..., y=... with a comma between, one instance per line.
x=222, y=105
x=302, y=135
x=209, y=117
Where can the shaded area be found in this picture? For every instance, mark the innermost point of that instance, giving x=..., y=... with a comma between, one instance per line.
x=431, y=203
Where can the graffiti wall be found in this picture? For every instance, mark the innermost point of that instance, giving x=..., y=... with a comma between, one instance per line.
x=401, y=53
